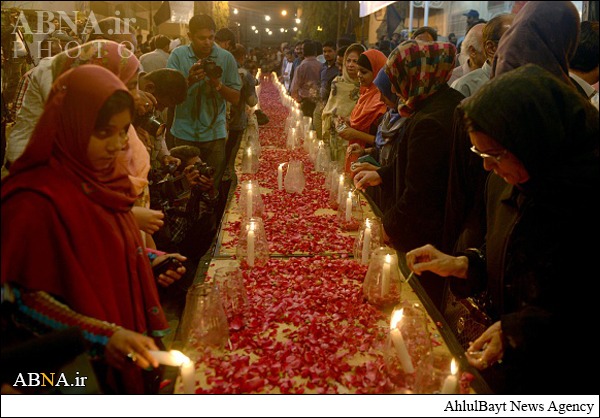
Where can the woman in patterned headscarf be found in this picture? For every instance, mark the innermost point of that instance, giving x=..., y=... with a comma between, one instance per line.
x=419, y=72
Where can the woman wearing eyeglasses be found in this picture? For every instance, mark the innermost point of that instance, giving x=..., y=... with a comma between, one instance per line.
x=539, y=137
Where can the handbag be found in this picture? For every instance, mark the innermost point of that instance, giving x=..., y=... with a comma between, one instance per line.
x=467, y=317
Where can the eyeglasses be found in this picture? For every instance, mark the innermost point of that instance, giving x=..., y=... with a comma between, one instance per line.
x=483, y=155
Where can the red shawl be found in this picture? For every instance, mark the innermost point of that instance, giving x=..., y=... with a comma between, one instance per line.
x=67, y=229
x=369, y=106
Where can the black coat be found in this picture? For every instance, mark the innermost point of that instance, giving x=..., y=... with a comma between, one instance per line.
x=420, y=173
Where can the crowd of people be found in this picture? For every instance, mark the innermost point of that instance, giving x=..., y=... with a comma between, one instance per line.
x=484, y=171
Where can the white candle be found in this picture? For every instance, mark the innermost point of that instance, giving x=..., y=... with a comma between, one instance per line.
x=251, y=245
x=165, y=357
x=349, y=207
x=188, y=378
x=398, y=342
x=451, y=382
x=366, y=243
x=249, y=201
x=280, y=176
x=178, y=359
x=340, y=189
x=385, y=275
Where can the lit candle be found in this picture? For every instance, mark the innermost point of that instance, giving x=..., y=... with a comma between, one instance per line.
x=280, y=176
x=178, y=359
x=340, y=189
x=451, y=382
x=251, y=245
x=385, y=275
x=349, y=207
x=398, y=342
x=249, y=201
x=366, y=243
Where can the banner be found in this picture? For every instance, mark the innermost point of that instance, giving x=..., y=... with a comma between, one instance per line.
x=369, y=7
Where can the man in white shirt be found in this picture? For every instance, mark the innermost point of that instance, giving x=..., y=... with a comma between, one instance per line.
x=583, y=67
x=156, y=59
x=492, y=32
x=472, y=48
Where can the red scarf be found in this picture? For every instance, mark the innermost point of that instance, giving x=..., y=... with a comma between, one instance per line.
x=369, y=106
x=87, y=249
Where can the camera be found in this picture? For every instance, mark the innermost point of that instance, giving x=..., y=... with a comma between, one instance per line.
x=204, y=169
x=151, y=124
x=211, y=69
x=167, y=186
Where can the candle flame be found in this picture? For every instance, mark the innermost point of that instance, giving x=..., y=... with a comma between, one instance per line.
x=341, y=178
x=349, y=195
x=252, y=226
x=396, y=318
x=249, y=186
x=453, y=367
x=367, y=223
x=282, y=164
x=179, y=357
x=249, y=152
x=388, y=258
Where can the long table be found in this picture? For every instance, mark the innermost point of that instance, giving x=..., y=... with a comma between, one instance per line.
x=308, y=328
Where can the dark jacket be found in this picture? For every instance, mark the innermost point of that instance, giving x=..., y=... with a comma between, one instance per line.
x=542, y=242
x=420, y=173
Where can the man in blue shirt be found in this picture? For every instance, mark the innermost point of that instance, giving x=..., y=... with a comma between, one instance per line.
x=200, y=120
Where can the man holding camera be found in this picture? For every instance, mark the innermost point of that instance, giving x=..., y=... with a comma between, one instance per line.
x=213, y=79
x=169, y=88
x=188, y=197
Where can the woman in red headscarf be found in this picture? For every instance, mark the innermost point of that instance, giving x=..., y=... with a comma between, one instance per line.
x=71, y=251
x=369, y=109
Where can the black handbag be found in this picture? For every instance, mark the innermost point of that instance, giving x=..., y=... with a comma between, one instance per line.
x=467, y=317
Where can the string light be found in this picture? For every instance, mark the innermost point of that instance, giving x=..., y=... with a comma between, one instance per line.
x=284, y=13
x=267, y=18
x=235, y=11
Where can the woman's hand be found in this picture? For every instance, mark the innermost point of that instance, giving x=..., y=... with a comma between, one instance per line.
x=358, y=167
x=148, y=220
x=355, y=149
x=144, y=102
x=429, y=258
x=167, y=159
x=126, y=347
x=348, y=133
x=487, y=349
x=366, y=178
x=169, y=277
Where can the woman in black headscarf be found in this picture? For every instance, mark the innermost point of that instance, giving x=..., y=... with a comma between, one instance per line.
x=540, y=139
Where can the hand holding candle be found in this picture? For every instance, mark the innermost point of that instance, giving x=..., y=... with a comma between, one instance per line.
x=398, y=342
x=178, y=359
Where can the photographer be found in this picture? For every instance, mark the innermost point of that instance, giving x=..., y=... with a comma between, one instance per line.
x=187, y=196
x=213, y=79
x=169, y=88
